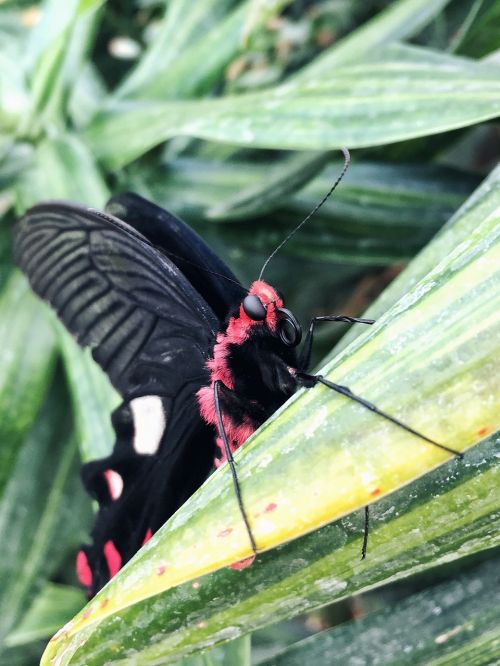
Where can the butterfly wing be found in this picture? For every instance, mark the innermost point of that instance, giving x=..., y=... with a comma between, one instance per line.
x=152, y=333
x=199, y=264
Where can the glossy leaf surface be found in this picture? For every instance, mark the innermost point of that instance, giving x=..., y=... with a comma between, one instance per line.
x=452, y=623
x=432, y=356
x=401, y=93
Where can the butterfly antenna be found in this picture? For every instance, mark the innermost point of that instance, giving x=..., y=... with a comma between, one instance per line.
x=347, y=159
x=201, y=268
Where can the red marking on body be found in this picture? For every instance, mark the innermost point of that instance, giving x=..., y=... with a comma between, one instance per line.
x=225, y=532
x=87, y=613
x=243, y=564
x=483, y=431
x=113, y=558
x=83, y=570
x=237, y=332
x=270, y=507
x=375, y=491
x=161, y=570
x=148, y=536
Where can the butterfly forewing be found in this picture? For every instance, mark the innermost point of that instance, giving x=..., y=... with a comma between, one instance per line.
x=116, y=293
x=208, y=274
x=152, y=333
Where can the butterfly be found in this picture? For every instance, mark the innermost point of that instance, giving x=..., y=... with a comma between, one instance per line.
x=199, y=360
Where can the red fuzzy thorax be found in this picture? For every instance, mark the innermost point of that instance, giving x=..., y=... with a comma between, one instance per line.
x=239, y=328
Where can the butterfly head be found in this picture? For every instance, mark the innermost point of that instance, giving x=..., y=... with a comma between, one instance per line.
x=264, y=304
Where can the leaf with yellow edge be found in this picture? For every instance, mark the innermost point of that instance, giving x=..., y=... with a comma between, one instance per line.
x=432, y=360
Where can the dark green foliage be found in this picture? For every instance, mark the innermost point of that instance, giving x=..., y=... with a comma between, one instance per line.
x=230, y=113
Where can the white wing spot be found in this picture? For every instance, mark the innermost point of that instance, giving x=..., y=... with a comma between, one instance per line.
x=149, y=423
x=115, y=483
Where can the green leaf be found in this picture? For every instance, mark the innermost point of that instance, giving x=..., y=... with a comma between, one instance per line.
x=27, y=362
x=452, y=623
x=63, y=168
x=195, y=40
x=483, y=203
x=235, y=653
x=397, y=22
x=54, y=55
x=14, y=98
x=432, y=356
x=441, y=517
x=261, y=198
x=93, y=399
x=15, y=158
x=382, y=213
x=480, y=38
x=405, y=93
x=50, y=609
x=38, y=517
x=260, y=12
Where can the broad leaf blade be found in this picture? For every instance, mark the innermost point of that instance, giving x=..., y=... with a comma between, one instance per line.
x=54, y=59
x=47, y=178
x=441, y=517
x=321, y=457
x=27, y=361
x=51, y=608
x=397, y=22
x=410, y=93
x=93, y=399
x=37, y=518
x=381, y=214
x=481, y=204
x=235, y=653
x=263, y=197
x=452, y=623
x=195, y=40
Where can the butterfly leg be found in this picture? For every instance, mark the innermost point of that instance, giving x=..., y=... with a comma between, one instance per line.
x=232, y=465
x=304, y=362
x=305, y=352
x=366, y=531
x=311, y=380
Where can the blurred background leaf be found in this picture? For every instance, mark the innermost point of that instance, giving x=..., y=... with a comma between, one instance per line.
x=198, y=105
x=455, y=622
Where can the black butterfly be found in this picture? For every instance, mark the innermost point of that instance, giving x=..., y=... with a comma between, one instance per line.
x=188, y=348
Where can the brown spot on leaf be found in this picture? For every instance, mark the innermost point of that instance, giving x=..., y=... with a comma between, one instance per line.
x=225, y=532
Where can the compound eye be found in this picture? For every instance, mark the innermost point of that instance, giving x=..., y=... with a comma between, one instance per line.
x=289, y=328
x=253, y=307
